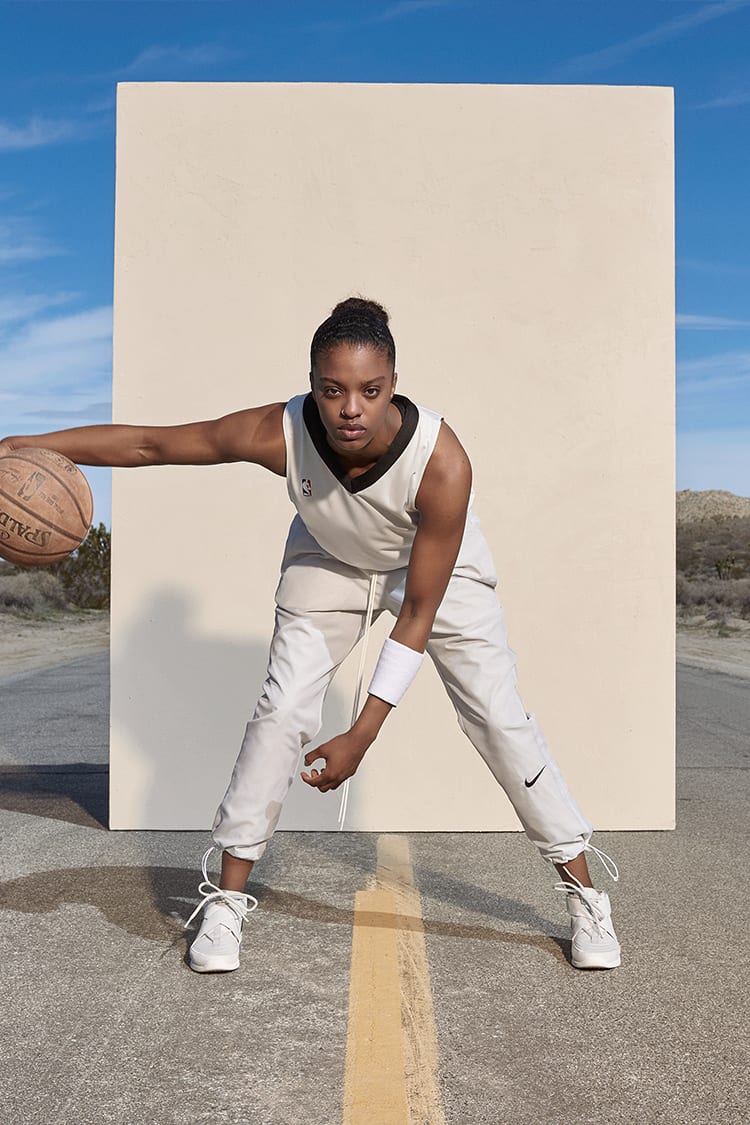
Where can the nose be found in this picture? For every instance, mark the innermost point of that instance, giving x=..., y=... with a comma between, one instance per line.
x=351, y=407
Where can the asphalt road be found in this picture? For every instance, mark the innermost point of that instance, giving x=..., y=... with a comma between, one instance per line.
x=105, y=1023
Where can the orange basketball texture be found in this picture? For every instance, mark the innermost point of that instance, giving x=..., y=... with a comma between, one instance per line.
x=45, y=507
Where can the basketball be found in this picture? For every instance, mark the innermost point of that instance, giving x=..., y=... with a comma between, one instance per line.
x=45, y=507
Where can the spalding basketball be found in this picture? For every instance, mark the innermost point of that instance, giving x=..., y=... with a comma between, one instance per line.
x=45, y=507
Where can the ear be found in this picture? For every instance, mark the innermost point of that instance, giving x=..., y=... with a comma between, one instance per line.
x=311, y=381
x=393, y=383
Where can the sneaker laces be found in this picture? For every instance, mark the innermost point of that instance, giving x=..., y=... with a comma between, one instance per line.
x=575, y=886
x=212, y=893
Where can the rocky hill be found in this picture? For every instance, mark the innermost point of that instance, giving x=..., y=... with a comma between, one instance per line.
x=715, y=504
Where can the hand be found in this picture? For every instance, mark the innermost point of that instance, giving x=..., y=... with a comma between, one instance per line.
x=342, y=755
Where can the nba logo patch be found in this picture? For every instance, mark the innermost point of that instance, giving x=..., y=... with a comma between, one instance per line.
x=306, y=486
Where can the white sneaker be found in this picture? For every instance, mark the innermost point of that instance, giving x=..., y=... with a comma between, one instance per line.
x=216, y=948
x=594, y=944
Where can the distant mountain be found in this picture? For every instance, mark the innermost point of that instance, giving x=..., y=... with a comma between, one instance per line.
x=715, y=504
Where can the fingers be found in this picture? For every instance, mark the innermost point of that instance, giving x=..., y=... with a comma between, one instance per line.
x=321, y=781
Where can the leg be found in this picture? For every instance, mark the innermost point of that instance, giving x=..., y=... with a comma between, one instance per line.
x=470, y=650
x=578, y=868
x=305, y=652
x=234, y=872
x=471, y=653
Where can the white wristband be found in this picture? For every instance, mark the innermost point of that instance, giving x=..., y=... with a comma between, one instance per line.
x=396, y=668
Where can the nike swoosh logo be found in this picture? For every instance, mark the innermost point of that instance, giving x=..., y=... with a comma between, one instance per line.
x=533, y=781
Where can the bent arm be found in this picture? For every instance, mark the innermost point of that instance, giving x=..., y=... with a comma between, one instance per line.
x=442, y=501
x=254, y=435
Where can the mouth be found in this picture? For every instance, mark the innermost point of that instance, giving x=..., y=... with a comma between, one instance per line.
x=349, y=433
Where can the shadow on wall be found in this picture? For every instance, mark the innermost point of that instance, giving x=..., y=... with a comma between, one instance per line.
x=180, y=700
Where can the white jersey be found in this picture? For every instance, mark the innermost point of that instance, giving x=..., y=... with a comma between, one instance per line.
x=367, y=521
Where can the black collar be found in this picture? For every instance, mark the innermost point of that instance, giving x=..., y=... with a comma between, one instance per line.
x=316, y=430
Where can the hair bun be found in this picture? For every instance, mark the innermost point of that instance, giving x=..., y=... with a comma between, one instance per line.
x=359, y=306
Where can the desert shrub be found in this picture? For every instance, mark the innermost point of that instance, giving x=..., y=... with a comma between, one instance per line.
x=81, y=581
x=85, y=576
x=713, y=547
x=714, y=597
x=30, y=591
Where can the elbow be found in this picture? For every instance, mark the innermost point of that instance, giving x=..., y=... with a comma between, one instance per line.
x=418, y=617
x=146, y=451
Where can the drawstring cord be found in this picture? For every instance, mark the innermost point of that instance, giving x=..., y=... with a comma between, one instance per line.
x=606, y=861
x=598, y=916
x=358, y=689
x=237, y=901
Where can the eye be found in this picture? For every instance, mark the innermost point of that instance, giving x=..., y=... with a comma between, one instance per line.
x=330, y=392
x=372, y=392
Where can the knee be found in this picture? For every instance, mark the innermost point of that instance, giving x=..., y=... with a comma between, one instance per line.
x=301, y=716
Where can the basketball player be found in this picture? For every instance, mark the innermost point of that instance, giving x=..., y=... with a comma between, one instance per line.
x=383, y=492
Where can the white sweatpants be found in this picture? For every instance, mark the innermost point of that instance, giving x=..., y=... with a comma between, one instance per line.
x=469, y=648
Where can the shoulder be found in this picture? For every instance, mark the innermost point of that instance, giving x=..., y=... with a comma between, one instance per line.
x=447, y=476
x=448, y=456
x=254, y=434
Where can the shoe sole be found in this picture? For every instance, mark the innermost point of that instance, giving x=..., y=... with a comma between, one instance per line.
x=600, y=961
x=214, y=965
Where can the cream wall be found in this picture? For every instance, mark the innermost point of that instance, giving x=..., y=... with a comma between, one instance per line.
x=522, y=238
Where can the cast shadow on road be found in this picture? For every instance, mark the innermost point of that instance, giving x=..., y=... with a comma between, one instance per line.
x=76, y=793
x=153, y=902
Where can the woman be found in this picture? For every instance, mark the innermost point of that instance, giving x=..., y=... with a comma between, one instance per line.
x=383, y=495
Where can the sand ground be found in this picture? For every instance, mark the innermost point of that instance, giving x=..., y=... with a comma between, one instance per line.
x=27, y=644
x=717, y=649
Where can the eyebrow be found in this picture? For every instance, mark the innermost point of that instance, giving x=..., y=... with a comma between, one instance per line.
x=364, y=383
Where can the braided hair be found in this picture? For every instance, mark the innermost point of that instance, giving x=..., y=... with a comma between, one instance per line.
x=356, y=321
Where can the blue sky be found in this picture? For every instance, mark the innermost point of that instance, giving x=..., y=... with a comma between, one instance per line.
x=60, y=63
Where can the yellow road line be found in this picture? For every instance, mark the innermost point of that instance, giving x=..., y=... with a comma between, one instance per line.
x=421, y=1057
x=392, y=1071
x=374, y=1088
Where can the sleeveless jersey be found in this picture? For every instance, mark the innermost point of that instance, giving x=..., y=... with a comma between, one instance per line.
x=368, y=521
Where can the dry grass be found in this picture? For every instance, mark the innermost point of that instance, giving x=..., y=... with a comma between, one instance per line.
x=80, y=581
x=28, y=593
x=713, y=572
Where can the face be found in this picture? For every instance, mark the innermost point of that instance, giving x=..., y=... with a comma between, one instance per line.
x=353, y=387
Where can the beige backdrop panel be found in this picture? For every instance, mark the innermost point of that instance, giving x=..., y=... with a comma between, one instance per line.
x=522, y=238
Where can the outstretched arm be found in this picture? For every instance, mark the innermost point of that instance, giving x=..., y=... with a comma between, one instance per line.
x=254, y=435
x=442, y=501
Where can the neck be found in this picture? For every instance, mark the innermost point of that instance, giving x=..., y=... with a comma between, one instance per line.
x=360, y=460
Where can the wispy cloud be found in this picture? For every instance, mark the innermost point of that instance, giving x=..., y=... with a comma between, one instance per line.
x=405, y=8
x=24, y=306
x=66, y=359
x=91, y=412
x=401, y=9
x=738, y=95
x=39, y=132
x=20, y=241
x=101, y=105
x=173, y=58
x=662, y=33
x=731, y=269
x=709, y=323
x=709, y=374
